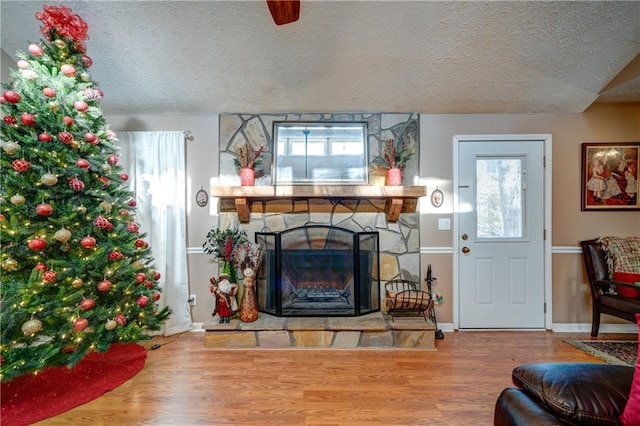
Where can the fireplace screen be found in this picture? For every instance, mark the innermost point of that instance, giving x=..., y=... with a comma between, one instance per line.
x=318, y=270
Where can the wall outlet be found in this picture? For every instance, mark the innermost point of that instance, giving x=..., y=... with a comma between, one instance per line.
x=192, y=299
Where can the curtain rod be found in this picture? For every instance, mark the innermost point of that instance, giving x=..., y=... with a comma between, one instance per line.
x=187, y=135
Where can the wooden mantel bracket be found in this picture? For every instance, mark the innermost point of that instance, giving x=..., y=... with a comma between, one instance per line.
x=397, y=199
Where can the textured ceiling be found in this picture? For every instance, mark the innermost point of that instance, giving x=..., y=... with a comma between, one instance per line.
x=201, y=57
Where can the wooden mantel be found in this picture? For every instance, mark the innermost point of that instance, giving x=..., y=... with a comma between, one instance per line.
x=397, y=199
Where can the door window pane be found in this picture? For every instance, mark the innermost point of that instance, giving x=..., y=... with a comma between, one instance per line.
x=499, y=198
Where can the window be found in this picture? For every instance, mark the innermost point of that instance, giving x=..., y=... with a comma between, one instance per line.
x=499, y=199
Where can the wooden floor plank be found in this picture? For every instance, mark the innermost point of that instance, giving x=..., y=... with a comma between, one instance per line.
x=457, y=384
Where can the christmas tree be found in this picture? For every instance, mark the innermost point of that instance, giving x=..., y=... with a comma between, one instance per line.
x=77, y=275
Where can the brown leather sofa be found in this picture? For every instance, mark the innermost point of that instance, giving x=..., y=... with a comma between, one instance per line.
x=564, y=394
x=604, y=292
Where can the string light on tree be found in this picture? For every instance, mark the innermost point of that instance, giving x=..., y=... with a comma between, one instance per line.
x=69, y=255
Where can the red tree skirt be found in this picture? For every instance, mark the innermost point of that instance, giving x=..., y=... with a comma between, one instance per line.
x=29, y=398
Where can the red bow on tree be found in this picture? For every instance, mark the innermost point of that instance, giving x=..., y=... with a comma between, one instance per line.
x=63, y=22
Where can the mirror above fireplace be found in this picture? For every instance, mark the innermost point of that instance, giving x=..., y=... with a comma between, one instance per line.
x=310, y=153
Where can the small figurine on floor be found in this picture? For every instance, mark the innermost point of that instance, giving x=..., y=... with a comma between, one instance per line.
x=224, y=292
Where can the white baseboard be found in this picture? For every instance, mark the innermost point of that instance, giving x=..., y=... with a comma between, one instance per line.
x=586, y=328
x=447, y=327
x=570, y=328
x=196, y=327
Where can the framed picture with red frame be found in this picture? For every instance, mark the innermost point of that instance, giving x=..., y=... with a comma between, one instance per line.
x=610, y=176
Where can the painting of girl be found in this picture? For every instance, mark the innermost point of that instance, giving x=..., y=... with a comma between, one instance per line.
x=609, y=176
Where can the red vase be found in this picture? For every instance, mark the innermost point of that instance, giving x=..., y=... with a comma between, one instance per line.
x=394, y=177
x=247, y=177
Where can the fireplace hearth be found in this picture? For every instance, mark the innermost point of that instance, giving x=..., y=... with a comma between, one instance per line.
x=319, y=270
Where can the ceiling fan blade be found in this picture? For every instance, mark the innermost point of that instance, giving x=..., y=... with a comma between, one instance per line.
x=284, y=11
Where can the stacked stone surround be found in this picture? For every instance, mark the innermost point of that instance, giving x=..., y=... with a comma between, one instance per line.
x=399, y=241
x=375, y=330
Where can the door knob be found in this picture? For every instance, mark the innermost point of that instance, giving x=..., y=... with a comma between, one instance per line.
x=465, y=250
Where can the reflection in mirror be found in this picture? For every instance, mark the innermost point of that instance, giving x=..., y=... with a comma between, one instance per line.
x=330, y=153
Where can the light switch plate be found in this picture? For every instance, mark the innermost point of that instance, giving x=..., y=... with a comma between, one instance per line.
x=444, y=224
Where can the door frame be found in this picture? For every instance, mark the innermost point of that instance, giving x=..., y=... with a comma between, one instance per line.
x=547, y=141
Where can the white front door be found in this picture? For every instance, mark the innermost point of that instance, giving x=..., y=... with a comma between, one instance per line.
x=501, y=258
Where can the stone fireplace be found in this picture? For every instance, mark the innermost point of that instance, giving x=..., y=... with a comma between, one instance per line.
x=390, y=212
x=330, y=248
x=319, y=270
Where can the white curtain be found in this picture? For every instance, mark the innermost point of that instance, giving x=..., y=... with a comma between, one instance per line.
x=155, y=162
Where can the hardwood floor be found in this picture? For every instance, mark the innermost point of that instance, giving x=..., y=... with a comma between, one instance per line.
x=183, y=383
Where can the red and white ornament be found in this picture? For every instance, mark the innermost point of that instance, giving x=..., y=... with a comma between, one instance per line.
x=105, y=181
x=88, y=242
x=28, y=119
x=102, y=223
x=36, y=49
x=50, y=276
x=80, y=106
x=65, y=137
x=104, y=286
x=83, y=163
x=143, y=301
x=113, y=159
x=11, y=97
x=20, y=165
x=115, y=255
x=44, y=137
x=120, y=319
x=68, y=70
x=87, y=304
x=37, y=244
x=80, y=324
x=76, y=184
x=9, y=119
x=44, y=209
x=133, y=228
x=91, y=138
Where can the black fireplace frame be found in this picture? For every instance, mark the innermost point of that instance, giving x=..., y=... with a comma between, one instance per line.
x=366, y=254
